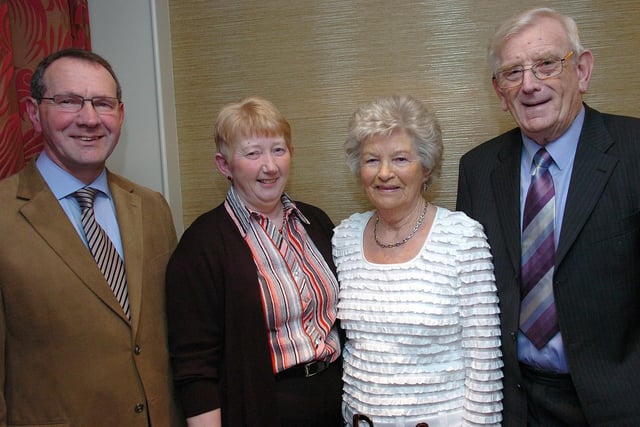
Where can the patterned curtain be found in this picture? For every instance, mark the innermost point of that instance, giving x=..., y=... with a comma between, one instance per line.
x=29, y=31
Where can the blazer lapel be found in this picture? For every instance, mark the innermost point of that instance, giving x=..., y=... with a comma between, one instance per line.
x=505, y=180
x=591, y=171
x=129, y=211
x=43, y=212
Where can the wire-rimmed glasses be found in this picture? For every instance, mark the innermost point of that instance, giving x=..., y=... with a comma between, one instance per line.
x=74, y=103
x=542, y=70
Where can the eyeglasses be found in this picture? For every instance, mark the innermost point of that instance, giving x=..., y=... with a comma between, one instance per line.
x=542, y=70
x=74, y=103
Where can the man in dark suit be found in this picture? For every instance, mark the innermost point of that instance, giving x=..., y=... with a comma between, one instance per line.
x=570, y=287
x=73, y=351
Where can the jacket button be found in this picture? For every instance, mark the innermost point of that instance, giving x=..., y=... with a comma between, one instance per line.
x=422, y=425
x=137, y=350
x=139, y=408
x=513, y=336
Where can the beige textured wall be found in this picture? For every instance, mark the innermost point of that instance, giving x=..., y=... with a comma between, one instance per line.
x=318, y=60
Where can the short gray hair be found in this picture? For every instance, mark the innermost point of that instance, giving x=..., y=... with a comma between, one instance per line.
x=523, y=20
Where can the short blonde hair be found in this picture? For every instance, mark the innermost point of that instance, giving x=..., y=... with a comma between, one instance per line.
x=396, y=113
x=249, y=116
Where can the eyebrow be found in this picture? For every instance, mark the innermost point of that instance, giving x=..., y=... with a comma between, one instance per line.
x=535, y=61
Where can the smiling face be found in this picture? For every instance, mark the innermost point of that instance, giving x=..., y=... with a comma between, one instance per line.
x=259, y=168
x=81, y=142
x=391, y=172
x=544, y=109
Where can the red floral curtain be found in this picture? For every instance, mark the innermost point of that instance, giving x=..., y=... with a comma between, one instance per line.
x=29, y=31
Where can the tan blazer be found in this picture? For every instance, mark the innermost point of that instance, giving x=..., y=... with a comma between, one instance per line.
x=68, y=356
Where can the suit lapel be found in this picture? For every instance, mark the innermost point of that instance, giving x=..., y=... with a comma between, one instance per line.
x=44, y=213
x=505, y=180
x=592, y=169
x=129, y=212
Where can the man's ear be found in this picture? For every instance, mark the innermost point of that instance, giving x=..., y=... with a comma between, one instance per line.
x=584, y=66
x=500, y=92
x=34, y=114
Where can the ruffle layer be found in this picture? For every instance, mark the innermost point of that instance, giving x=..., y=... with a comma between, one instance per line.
x=361, y=364
x=391, y=353
x=485, y=386
x=492, y=417
x=402, y=333
x=488, y=375
x=395, y=385
x=395, y=407
x=490, y=353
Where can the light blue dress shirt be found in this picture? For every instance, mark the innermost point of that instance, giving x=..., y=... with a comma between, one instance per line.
x=563, y=150
x=63, y=185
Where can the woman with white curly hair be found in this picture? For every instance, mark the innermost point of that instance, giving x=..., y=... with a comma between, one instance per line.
x=417, y=295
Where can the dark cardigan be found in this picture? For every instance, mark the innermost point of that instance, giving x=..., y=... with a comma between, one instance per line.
x=218, y=338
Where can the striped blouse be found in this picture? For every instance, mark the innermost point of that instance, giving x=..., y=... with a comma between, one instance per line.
x=299, y=290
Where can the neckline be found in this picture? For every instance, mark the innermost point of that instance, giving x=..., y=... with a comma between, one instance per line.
x=367, y=218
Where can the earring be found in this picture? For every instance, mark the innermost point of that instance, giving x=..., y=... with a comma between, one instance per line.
x=229, y=178
x=425, y=186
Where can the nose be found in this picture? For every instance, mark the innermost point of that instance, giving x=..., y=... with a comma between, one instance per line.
x=88, y=114
x=269, y=165
x=529, y=80
x=386, y=171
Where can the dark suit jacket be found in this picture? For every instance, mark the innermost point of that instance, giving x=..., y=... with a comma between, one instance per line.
x=597, y=274
x=68, y=356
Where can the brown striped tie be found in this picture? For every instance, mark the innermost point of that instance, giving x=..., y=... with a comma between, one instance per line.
x=102, y=248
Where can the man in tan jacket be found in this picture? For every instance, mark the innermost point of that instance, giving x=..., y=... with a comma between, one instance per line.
x=72, y=352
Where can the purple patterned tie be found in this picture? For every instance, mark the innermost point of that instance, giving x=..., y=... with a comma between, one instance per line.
x=102, y=248
x=538, y=319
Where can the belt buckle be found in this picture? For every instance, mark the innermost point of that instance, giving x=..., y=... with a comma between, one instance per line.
x=313, y=368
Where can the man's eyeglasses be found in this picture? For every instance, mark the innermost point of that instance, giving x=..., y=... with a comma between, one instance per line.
x=74, y=103
x=542, y=70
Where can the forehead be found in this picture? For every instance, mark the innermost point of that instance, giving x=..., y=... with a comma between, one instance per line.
x=242, y=140
x=79, y=76
x=397, y=141
x=542, y=38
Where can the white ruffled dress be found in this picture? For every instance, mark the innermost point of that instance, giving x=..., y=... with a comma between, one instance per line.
x=423, y=336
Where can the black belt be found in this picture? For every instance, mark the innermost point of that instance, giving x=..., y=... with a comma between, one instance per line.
x=304, y=370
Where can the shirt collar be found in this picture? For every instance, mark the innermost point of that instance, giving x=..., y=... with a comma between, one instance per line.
x=243, y=214
x=562, y=150
x=62, y=183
